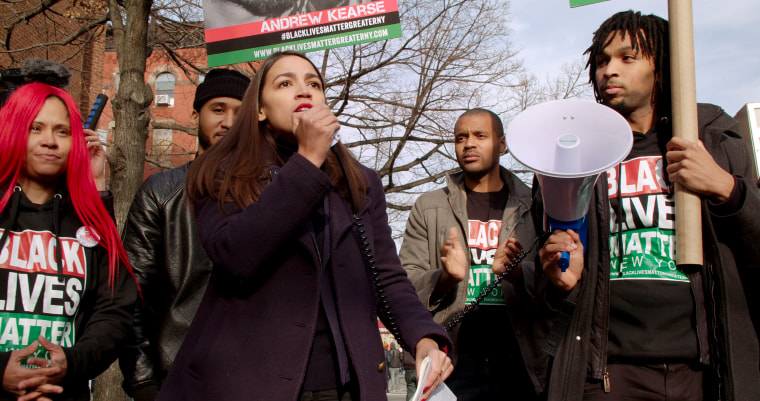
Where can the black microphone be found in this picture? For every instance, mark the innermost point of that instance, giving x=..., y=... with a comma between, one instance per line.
x=97, y=109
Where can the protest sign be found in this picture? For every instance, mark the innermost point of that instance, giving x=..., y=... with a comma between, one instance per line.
x=314, y=30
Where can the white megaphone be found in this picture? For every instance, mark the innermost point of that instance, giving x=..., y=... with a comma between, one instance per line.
x=568, y=144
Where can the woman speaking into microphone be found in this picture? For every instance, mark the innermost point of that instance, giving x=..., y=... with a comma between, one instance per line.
x=303, y=259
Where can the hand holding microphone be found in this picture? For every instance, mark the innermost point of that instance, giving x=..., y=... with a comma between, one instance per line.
x=315, y=128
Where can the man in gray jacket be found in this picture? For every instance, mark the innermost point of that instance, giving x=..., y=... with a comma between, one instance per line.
x=457, y=238
x=161, y=240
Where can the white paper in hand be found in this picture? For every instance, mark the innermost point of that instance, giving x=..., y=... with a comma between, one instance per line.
x=441, y=393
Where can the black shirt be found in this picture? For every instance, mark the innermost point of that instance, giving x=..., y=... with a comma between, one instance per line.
x=486, y=334
x=652, y=311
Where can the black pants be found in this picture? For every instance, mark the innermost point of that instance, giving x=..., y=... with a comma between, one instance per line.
x=477, y=378
x=664, y=381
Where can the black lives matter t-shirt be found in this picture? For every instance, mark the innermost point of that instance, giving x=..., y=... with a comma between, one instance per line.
x=37, y=300
x=484, y=212
x=489, y=320
x=486, y=336
x=651, y=306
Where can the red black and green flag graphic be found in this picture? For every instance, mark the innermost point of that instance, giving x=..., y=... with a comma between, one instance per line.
x=318, y=30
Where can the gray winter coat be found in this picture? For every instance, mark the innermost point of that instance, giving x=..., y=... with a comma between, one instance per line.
x=433, y=214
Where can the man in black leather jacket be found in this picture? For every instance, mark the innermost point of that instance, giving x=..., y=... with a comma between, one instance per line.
x=161, y=240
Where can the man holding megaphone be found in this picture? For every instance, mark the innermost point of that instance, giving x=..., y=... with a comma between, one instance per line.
x=633, y=324
x=457, y=239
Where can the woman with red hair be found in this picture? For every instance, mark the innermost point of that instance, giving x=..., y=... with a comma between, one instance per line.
x=65, y=288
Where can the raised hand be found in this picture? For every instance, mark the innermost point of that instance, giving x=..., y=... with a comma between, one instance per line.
x=314, y=130
x=453, y=257
x=97, y=153
x=505, y=254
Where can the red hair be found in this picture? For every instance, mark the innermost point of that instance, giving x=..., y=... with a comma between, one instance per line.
x=17, y=117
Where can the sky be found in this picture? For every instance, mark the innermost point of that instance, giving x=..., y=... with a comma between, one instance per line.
x=726, y=41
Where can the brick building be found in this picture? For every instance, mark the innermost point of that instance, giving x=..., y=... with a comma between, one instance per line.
x=174, y=90
x=172, y=138
x=32, y=32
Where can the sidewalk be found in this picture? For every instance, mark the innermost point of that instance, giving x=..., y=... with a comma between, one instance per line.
x=397, y=396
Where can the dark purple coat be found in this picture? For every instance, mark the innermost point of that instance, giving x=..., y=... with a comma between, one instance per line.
x=251, y=337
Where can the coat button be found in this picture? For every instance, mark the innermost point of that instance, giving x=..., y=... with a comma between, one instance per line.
x=381, y=366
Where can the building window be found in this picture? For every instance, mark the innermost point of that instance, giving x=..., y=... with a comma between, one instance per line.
x=162, y=144
x=165, y=89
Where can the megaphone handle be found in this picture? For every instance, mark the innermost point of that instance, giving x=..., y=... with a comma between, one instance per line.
x=564, y=261
x=580, y=226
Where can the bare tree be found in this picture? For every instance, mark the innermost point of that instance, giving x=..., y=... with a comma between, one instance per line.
x=571, y=83
x=398, y=99
x=130, y=21
x=66, y=32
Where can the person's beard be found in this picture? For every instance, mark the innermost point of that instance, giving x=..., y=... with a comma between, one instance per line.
x=622, y=106
x=204, y=141
x=266, y=8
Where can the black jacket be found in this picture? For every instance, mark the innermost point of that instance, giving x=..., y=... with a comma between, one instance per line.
x=252, y=335
x=731, y=253
x=36, y=291
x=162, y=242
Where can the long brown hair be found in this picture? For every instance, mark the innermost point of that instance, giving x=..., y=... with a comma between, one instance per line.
x=236, y=169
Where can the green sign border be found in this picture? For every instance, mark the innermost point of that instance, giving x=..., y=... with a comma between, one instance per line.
x=578, y=3
x=241, y=56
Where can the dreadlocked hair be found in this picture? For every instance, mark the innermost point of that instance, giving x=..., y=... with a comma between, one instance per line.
x=649, y=34
x=17, y=116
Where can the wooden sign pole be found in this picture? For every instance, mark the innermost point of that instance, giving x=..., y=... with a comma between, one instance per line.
x=684, y=95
